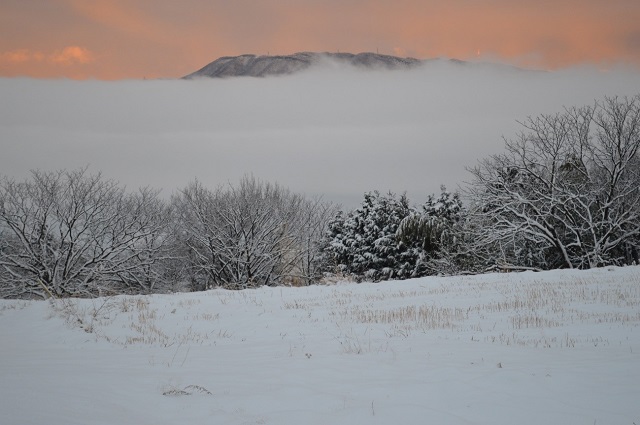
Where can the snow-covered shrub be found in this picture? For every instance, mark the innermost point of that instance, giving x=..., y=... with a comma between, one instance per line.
x=386, y=238
x=435, y=234
x=363, y=242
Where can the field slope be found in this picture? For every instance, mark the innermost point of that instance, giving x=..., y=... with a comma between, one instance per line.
x=530, y=348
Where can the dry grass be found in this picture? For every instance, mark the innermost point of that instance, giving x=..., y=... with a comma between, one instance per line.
x=540, y=314
x=137, y=316
x=548, y=312
x=419, y=317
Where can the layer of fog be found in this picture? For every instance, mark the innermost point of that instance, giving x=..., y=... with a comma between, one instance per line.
x=335, y=132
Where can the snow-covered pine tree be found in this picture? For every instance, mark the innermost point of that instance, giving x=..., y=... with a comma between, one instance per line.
x=433, y=235
x=363, y=242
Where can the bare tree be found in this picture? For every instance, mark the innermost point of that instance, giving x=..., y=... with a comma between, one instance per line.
x=566, y=193
x=152, y=261
x=314, y=219
x=69, y=233
x=246, y=235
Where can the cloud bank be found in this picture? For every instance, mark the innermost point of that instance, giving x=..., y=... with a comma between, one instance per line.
x=331, y=131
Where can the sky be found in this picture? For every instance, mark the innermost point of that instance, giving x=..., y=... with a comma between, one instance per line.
x=73, y=91
x=136, y=39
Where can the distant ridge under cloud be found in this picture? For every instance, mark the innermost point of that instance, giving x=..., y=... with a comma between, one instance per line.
x=262, y=66
x=330, y=132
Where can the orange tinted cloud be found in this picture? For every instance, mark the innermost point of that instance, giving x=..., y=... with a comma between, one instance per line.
x=66, y=56
x=20, y=56
x=66, y=62
x=165, y=38
x=72, y=54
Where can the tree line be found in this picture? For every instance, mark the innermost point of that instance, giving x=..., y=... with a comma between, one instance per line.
x=565, y=193
x=72, y=233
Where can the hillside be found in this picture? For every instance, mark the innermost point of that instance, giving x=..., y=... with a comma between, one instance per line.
x=530, y=348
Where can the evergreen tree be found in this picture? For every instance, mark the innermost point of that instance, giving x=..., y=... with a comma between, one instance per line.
x=363, y=243
x=385, y=238
x=434, y=235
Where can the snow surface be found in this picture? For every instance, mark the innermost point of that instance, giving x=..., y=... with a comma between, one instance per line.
x=558, y=347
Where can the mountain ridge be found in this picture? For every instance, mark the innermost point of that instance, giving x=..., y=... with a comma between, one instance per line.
x=249, y=65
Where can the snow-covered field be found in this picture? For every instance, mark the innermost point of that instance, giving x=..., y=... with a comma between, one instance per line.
x=557, y=347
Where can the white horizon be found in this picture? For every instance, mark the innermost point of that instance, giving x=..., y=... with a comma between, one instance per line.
x=330, y=131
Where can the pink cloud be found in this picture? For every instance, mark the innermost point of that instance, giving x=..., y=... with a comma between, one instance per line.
x=67, y=56
x=21, y=56
x=72, y=54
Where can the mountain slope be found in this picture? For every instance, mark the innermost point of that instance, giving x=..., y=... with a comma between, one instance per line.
x=261, y=66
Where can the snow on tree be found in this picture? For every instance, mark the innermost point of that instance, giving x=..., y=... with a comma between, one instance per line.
x=249, y=235
x=434, y=234
x=566, y=193
x=74, y=234
x=315, y=217
x=365, y=243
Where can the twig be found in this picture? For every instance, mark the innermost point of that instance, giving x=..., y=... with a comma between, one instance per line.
x=46, y=289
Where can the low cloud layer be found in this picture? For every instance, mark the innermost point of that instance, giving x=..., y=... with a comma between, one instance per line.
x=332, y=131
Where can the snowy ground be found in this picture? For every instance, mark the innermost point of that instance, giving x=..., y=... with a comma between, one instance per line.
x=534, y=348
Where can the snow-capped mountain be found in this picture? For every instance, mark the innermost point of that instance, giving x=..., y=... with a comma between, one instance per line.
x=261, y=66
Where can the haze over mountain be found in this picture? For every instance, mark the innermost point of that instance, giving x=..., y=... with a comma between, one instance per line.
x=335, y=131
x=261, y=66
